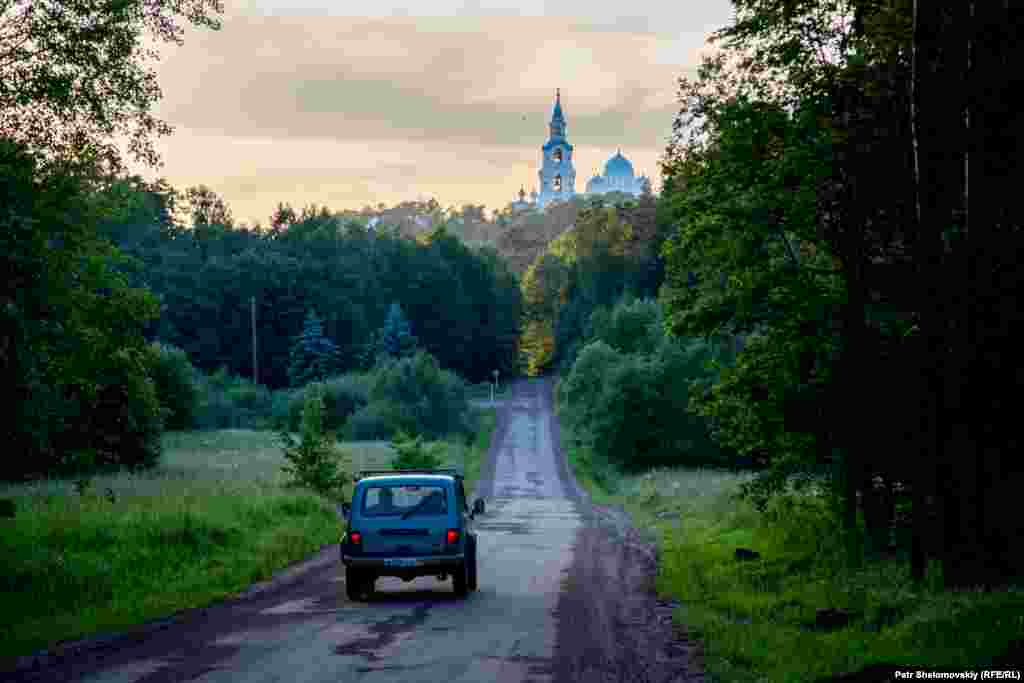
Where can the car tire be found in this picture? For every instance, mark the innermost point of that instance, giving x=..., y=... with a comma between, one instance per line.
x=356, y=584
x=460, y=580
x=471, y=575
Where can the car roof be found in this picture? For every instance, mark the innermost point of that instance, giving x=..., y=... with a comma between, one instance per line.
x=406, y=477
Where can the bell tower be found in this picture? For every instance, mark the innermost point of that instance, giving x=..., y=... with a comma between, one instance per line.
x=557, y=175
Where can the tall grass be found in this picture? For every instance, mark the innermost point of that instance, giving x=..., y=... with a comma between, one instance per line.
x=757, y=619
x=210, y=520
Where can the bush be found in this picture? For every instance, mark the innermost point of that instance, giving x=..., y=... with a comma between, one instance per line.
x=227, y=402
x=414, y=454
x=343, y=396
x=580, y=391
x=314, y=460
x=118, y=420
x=175, y=381
x=420, y=398
x=631, y=326
x=281, y=408
x=371, y=422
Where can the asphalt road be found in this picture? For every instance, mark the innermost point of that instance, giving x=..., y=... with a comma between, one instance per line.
x=564, y=595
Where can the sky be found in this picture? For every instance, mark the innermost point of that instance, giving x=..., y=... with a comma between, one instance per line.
x=315, y=101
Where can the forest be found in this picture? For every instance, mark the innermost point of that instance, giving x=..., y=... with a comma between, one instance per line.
x=838, y=242
x=823, y=295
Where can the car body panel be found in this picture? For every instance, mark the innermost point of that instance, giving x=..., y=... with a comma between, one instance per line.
x=413, y=546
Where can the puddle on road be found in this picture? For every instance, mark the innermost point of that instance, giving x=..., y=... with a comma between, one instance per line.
x=384, y=634
x=517, y=528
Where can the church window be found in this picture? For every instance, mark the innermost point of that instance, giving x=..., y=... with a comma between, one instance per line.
x=557, y=156
x=558, y=183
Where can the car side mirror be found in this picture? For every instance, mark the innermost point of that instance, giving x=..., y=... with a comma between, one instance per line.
x=478, y=506
x=346, y=509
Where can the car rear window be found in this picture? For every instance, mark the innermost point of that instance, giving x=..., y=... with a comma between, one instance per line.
x=403, y=498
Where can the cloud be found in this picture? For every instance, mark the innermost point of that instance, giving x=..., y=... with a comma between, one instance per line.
x=364, y=109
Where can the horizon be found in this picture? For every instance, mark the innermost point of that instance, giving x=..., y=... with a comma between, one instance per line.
x=303, y=105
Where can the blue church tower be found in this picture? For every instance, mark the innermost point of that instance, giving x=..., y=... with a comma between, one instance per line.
x=557, y=175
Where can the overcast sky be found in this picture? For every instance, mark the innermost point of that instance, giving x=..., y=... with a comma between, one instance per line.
x=315, y=101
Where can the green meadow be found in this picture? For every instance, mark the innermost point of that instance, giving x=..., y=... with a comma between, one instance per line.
x=214, y=517
x=756, y=619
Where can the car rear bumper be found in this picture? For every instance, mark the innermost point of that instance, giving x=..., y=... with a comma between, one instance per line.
x=424, y=565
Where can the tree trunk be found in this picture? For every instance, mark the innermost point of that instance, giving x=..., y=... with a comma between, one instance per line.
x=936, y=196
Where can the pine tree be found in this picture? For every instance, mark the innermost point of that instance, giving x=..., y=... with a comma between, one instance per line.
x=396, y=338
x=313, y=356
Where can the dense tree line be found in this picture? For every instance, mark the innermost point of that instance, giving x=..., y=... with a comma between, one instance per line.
x=75, y=365
x=462, y=304
x=97, y=262
x=840, y=188
x=610, y=249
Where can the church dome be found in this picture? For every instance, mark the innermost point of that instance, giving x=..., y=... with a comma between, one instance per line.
x=618, y=166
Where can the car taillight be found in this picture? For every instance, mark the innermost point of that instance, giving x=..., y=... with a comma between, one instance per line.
x=453, y=536
x=355, y=537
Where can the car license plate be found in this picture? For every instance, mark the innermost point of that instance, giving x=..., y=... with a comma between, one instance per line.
x=401, y=563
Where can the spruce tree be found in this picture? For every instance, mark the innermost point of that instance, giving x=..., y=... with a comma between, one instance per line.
x=313, y=356
x=396, y=338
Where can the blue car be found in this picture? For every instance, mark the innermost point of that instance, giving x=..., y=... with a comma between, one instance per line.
x=409, y=523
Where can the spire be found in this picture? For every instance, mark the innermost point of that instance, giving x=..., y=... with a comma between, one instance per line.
x=557, y=117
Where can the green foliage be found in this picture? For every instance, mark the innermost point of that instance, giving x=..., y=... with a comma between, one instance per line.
x=537, y=347
x=580, y=390
x=67, y=85
x=314, y=357
x=314, y=459
x=75, y=369
x=206, y=279
x=631, y=326
x=631, y=403
x=422, y=398
x=343, y=396
x=396, y=338
x=413, y=453
x=231, y=402
x=372, y=422
x=205, y=524
x=176, y=387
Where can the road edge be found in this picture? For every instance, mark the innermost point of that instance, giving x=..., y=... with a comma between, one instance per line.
x=55, y=655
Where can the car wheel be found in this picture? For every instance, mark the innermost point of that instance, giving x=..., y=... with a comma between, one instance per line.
x=460, y=580
x=471, y=571
x=356, y=584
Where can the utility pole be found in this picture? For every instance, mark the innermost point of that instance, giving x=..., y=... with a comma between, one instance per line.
x=255, y=374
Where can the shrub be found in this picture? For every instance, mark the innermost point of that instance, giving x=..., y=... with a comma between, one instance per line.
x=640, y=417
x=175, y=381
x=422, y=398
x=412, y=453
x=580, y=390
x=343, y=396
x=227, y=402
x=371, y=422
x=280, y=410
x=314, y=459
x=631, y=326
x=119, y=419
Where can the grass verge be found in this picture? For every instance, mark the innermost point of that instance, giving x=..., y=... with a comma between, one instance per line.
x=212, y=519
x=476, y=451
x=756, y=619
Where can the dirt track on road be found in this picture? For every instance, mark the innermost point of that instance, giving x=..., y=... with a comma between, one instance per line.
x=566, y=594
